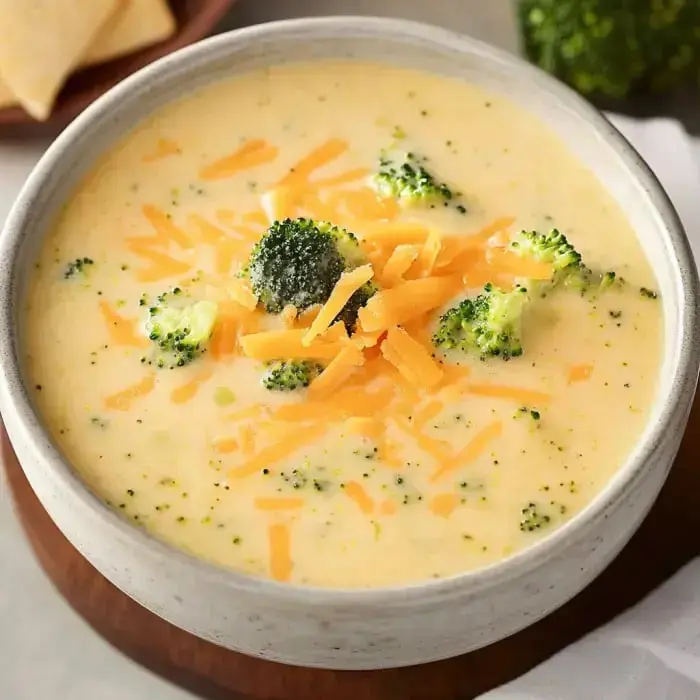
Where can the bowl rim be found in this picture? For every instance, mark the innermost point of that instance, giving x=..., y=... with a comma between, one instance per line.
x=23, y=422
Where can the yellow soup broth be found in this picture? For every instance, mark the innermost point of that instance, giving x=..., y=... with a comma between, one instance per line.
x=400, y=462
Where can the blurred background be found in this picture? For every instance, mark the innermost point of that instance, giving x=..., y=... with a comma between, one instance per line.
x=635, y=57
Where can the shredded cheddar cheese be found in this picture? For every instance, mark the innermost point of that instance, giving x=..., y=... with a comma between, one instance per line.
x=356, y=492
x=396, y=306
x=121, y=330
x=242, y=293
x=470, y=452
x=122, y=400
x=411, y=358
x=339, y=369
x=274, y=453
x=346, y=286
x=580, y=373
x=271, y=345
x=400, y=260
x=279, y=543
x=444, y=504
x=249, y=155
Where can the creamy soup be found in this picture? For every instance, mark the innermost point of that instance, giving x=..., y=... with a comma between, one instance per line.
x=401, y=461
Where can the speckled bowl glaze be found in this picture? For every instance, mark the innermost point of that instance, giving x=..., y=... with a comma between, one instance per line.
x=355, y=629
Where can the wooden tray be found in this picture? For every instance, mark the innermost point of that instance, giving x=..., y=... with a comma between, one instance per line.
x=666, y=541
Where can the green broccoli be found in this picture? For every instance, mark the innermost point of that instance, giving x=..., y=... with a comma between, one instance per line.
x=555, y=249
x=406, y=178
x=299, y=262
x=569, y=269
x=532, y=518
x=77, y=267
x=290, y=375
x=489, y=323
x=612, y=48
x=179, y=329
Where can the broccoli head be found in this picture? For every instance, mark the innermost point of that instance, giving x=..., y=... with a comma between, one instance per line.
x=613, y=47
x=405, y=178
x=299, y=261
x=290, y=375
x=489, y=324
x=568, y=266
x=179, y=329
x=555, y=249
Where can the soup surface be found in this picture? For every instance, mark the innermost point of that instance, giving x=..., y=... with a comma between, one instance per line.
x=401, y=461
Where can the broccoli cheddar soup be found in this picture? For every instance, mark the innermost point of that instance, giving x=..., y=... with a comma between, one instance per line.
x=342, y=341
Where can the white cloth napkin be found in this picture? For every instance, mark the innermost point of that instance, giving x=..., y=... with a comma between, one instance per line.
x=652, y=651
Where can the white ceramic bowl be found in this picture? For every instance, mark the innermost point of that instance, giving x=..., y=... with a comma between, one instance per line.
x=355, y=629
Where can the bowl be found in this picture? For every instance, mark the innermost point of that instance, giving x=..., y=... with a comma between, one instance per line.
x=373, y=628
x=195, y=19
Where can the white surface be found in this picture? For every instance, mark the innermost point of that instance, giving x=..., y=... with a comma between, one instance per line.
x=47, y=652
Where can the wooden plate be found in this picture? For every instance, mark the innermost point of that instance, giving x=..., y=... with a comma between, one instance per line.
x=666, y=541
x=195, y=19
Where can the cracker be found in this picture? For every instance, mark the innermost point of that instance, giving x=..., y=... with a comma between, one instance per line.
x=42, y=42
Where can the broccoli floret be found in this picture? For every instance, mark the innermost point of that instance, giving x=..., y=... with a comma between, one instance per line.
x=532, y=518
x=489, y=323
x=179, y=329
x=555, y=249
x=406, y=178
x=613, y=47
x=298, y=262
x=567, y=263
x=648, y=293
x=77, y=267
x=610, y=279
x=290, y=375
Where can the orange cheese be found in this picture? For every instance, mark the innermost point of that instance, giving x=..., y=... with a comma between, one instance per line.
x=279, y=543
x=252, y=153
x=274, y=453
x=242, y=293
x=394, y=307
x=398, y=264
x=122, y=400
x=273, y=345
x=345, y=287
x=339, y=369
x=411, y=359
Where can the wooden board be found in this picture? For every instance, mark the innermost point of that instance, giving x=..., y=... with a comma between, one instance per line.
x=666, y=541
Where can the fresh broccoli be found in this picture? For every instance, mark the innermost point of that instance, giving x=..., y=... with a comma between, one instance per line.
x=406, y=178
x=290, y=375
x=179, y=329
x=489, y=323
x=298, y=262
x=532, y=518
x=567, y=263
x=613, y=47
x=77, y=267
x=555, y=249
